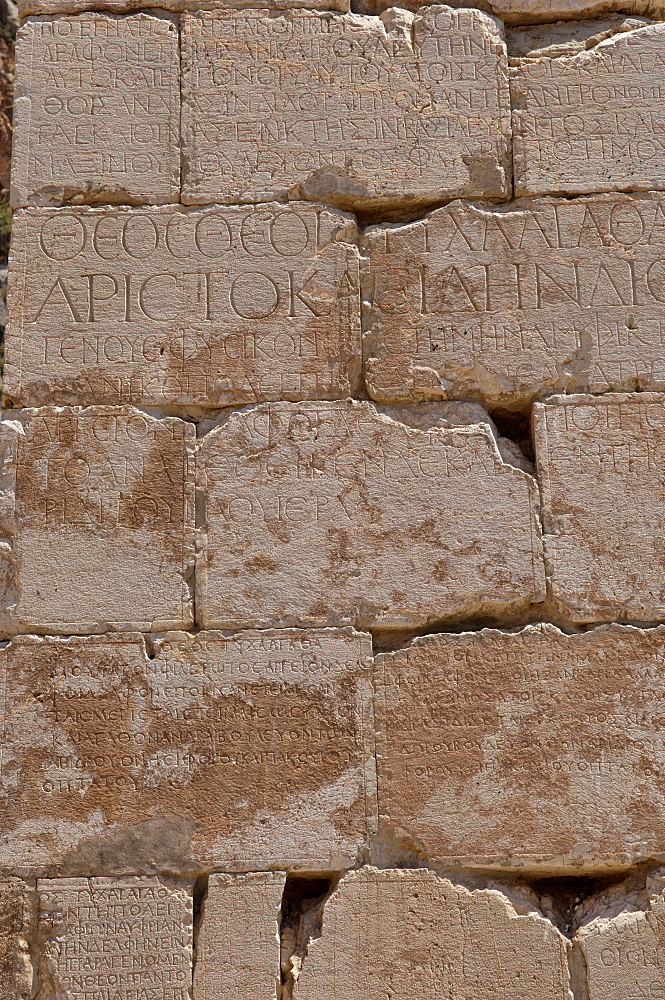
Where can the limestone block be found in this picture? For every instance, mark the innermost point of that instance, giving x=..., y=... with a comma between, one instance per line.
x=332, y=514
x=507, y=303
x=96, y=110
x=114, y=937
x=122, y=6
x=250, y=751
x=412, y=935
x=238, y=945
x=169, y=306
x=97, y=513
x=599, y=462
x=565, y=38
x=534, y=748
x=590, y=122
x=358, y=111
x=16, y=977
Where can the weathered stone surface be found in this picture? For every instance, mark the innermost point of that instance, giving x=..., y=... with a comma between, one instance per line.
x=600, y=461
x=167, y=306
x=248, y=751
x=122, y=6
x=590, y=122
x=565, y=38
x=238, y=946
x=546, y=11
x=534, y=748
x=328, y=514
x=506, y=303
x=412, y=935
x=114, y=937
x=344, y=108
x=16, y=977
x=97, y=513
x=96, y=113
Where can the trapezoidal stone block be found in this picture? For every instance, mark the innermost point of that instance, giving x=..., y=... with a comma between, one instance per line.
x=534, y=749
x=599, y=461
x=97, y=512
x=169, y=306
x=16, y=972
x=249, y=751
x=335, y=514
x=97, y=110
x=400, y=110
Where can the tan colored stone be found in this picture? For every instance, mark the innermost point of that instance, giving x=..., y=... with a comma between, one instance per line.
x=546, y=11
x=249, y=751
x=96, y=111
x=344, y=108
x=16, y=977
x=123, y=6
x=334, y=514
x=535, y=748
x=412, y=935
x=565, y=38
x=120, y=938
x=207, y=307
x=591, y=122
x=600, y=461
x=238, y=945
x=96, y=507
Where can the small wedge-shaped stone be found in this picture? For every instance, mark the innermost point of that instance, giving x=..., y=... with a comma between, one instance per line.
x=238, y=949
x=16, y=974
x=600, y=466
x=96, y=509
x=164, y=306
x=358, y=111
x=97, y=110
x=412, y=935
x=330, y=514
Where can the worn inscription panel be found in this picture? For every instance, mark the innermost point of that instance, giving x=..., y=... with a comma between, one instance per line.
x=412, y=935
x=238, y=950
x=344, y=108
x=98, y=516
x=505, y=303
x=121, y=938
x=535, y=748
x=247, y=751
x=16, y=974
x=592, y=121
x=210, y=307
x=326, y=514
x=97, y=110
x=600, y=462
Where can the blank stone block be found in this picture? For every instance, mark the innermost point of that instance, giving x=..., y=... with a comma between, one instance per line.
x=122, y=6
x=16, y=973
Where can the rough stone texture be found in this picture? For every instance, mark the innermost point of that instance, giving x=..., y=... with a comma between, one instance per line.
x=16, y=977
x=591, y=122
x=345, y=108
x=509, y=302
x=96, y=509
x=328, y=514
x=599, y=462
x=238, y=946
x=249, y=751
x=411, y=935
x=121, y=938
x=122, y=6
x=565, y=38
x=535, y=749
x=168, y=306
x=96, y=113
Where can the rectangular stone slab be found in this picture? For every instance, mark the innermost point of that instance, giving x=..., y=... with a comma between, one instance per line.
x=97, y=110
x=250, y=751
x=329, y=514
x=169, y=306
x=523, y=12
x=16, y=972
x=343, y=108
x=123, y=6
x=505, y=303
x=97, y=515
x=600, y=461
x=535, y=748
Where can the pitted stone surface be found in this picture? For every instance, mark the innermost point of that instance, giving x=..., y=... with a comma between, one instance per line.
x=123, y=6
x=345, y=108
x=168, y=306
x=16, y=973
x=97, y=110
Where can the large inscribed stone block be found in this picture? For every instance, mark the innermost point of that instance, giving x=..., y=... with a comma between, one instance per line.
x=600, y=461
x=251, y=751
x=16, y=974
x=328, y=514
x=97, y=513
x=343, y=108
x=207, y=307
x=533, y=748
x=97, y=110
